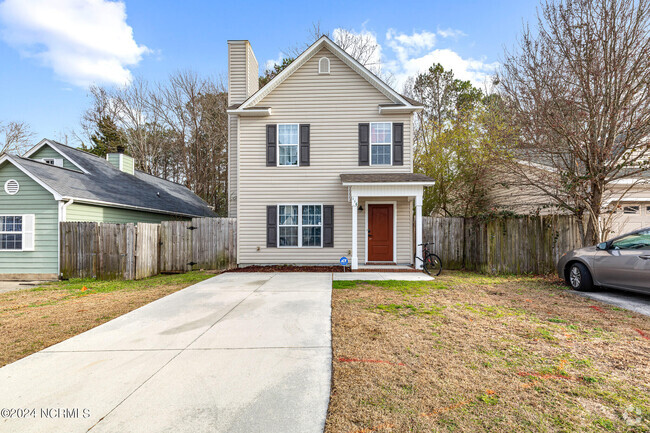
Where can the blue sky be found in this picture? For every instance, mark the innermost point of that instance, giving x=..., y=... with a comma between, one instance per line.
x=50, y=50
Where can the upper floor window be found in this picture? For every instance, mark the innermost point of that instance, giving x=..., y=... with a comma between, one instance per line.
x=288, y=144
x=324, y=65
x=380, y=143
x=49, y=161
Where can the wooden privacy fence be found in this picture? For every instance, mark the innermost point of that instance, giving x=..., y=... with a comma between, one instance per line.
x=130, y=251
x=531, y=244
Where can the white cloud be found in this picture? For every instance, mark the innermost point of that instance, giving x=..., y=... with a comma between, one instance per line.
x=415, y=54
x=477, y=72
x=450, y=33
x=270, y=63
x=83, y=41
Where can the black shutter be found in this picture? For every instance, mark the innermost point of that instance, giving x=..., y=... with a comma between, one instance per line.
x=304, y=144
x=271, y=148
x=364, y=144
x=271, y=226
x=398, y=144
x=328, y=226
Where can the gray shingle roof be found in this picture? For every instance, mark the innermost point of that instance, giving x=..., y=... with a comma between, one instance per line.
x=384, y=177
x=106, y=183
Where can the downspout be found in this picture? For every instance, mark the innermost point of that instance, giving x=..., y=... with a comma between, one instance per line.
x=62, y=217
x=65, y=208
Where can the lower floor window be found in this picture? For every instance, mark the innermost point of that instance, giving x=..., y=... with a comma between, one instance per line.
x=300, y=225
x=11, y=232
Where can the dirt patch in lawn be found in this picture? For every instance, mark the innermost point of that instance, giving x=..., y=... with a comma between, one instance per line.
x=477, y=353
x=31, y=320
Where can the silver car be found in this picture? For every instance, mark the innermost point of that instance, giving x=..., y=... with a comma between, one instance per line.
x=620, y=263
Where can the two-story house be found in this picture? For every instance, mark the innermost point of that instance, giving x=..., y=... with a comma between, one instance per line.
x=321, y=162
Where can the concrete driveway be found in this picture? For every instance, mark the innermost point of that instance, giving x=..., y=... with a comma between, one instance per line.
x=241, y=352
x=637, y=302
x=10, y=286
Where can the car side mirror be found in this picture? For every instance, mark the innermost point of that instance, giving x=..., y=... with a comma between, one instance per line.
x=602, y=246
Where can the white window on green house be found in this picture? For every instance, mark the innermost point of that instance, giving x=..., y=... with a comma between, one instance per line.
x=11, y=233
x=288, y=144
x=300, y=225
x=380, y=143
x=17, y=232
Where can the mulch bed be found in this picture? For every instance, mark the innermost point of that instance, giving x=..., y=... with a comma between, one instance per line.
x=296, y=268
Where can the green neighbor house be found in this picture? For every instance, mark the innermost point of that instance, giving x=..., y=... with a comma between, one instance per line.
x=53, y=182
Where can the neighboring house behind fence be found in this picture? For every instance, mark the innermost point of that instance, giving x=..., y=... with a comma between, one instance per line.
x=53, y=183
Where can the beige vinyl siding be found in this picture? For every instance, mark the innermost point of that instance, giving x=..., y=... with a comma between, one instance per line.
x=47, y=152
x=333, y=105
x=237, y=78
x=91, y=213
x=252, y=71
x=232, y=165
x=30, y=199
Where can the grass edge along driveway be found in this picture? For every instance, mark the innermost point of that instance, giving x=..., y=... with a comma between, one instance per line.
x=470, y=352
x=33, y=319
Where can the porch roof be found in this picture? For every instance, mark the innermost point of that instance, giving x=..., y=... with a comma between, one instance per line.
x=354, y=179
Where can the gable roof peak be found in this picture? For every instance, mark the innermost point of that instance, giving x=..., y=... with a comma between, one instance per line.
x=325, y=41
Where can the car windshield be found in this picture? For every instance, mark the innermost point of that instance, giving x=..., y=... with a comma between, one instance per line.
x=635, y=241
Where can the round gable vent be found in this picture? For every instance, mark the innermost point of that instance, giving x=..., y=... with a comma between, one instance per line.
x=12, y=186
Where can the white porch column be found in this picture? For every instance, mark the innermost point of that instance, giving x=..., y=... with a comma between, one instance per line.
x=354, y=260
x=418, y=230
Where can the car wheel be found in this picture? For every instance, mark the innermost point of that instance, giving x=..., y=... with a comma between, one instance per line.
x=580, y=278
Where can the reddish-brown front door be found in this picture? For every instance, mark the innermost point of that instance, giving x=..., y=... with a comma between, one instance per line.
x=380, y=232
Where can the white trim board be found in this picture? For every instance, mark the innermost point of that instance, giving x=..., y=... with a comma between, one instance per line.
x=45, y=141
x=365, y=210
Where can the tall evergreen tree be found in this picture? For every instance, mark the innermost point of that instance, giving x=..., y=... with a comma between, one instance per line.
x=106, y=139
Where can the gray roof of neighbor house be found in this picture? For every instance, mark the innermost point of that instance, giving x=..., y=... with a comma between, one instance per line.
x=105, y=183
x=385, y=178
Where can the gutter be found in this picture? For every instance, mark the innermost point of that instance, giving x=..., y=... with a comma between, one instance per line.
x=126, y=206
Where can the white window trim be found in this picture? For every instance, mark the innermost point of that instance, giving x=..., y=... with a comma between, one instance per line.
x=321, y=71
x=300, y=225
x=277, y=145
x=7, y=190
x=366, y=211
x=390, y=145
x=47, y=161
x=22, y=233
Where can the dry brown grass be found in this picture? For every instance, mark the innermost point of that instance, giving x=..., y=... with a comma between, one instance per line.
x=31, y=320
x=484, y=353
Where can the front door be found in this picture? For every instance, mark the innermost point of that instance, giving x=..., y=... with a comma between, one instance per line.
x=380, y=233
